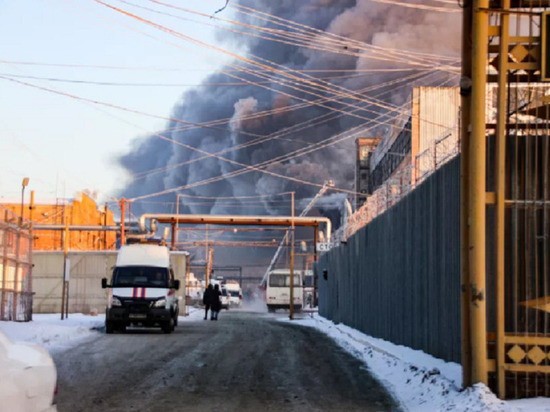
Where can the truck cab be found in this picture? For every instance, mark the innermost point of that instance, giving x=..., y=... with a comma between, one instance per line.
x=142, y=291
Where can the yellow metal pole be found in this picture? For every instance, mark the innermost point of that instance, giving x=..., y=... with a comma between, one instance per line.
x=291, y=314
x=206, y=272
x=65, y=254
x=5, y=234
x=477, y=207
x=122, y=221
x=500, y=187
x=315, y=258
x=175, y=232
x=465, y=92
x=105, y=224
x=31, y=240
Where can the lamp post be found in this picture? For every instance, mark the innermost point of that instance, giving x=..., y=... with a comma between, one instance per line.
x=24, y=184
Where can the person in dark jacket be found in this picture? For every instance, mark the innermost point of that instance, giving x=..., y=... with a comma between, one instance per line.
x=207, y=299
x=216, y=304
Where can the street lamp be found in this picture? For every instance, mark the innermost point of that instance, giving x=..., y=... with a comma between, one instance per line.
x=24, y=184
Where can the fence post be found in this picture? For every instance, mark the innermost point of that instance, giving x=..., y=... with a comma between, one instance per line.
x=6, y=234
x=17, y=268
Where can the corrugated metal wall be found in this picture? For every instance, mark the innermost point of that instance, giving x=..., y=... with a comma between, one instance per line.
x=398, y=278
x=87, y=269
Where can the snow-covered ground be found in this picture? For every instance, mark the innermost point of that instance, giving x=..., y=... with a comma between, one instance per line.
x=418, y=381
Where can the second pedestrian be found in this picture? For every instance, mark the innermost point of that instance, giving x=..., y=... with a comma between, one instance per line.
x=216, y=304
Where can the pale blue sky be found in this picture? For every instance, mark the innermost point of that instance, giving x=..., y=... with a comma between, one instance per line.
x=64, y=145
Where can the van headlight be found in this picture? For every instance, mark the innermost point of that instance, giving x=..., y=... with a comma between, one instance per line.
x=161, y=303
x=115, y=301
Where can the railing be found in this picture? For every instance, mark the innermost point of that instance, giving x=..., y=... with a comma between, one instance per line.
x=15, y=268
x=400, y=184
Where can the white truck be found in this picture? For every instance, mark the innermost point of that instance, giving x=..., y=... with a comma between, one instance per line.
x=277, y=292
x=235, y=293
x=142, y=291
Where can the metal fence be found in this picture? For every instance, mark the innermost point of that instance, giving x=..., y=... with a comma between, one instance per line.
x=400, y=184
x=398, y=278
x=15, y=268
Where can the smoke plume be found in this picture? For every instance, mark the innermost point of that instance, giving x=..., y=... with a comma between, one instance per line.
x=383, y=25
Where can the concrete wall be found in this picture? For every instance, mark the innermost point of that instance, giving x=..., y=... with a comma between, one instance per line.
x=398, y=278
x=87, y=269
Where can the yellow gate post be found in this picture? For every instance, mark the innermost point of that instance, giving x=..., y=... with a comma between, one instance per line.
x=465, y=92
x=500, y=168
x=477, y=206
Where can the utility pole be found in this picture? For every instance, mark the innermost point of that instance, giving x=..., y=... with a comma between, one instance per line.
x=291, y=314
x=122, y=218
x=66, y=268
x=477, y=205
x=465, y=93
x=105, y=224
x=206, y=271
x=328, y=184
x=177, y=226
x=209, y=263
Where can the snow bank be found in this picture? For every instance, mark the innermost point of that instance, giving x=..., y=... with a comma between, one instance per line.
x=57, y=335
x=418, y=381
x=53, y=333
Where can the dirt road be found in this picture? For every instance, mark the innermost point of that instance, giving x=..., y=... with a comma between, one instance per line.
x=246, y=361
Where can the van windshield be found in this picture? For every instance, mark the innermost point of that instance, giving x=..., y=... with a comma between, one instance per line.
x=140, y=276
x=282, y=280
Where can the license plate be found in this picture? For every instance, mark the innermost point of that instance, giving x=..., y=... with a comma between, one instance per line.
x=138, y=316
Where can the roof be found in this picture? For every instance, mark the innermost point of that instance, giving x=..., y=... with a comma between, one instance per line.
x=143, y=255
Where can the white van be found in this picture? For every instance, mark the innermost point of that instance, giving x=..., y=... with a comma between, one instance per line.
x=277, y=293
x=142, y=290
x=235, y=293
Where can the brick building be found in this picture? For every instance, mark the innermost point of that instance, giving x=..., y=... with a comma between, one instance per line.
x=80, y=211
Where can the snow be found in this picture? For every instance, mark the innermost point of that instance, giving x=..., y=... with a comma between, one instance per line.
x=58, y=335
x=418, y=381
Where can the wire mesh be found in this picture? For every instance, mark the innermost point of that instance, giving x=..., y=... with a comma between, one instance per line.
x=15, y=268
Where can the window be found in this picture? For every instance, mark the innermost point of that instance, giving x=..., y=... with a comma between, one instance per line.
x=283, y=280
x=140, y=276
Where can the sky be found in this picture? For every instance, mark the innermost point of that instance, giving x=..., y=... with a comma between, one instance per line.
x=87, y=88
x=65, y=144
x=417, y=381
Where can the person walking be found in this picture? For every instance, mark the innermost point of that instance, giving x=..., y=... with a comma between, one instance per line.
x=216, y=304
x=207, y=299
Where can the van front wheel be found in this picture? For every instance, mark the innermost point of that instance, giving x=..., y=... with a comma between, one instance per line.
x=109, y=327
x=168, y=327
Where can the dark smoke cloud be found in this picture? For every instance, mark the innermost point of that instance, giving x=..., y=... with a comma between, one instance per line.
x=375, y=23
